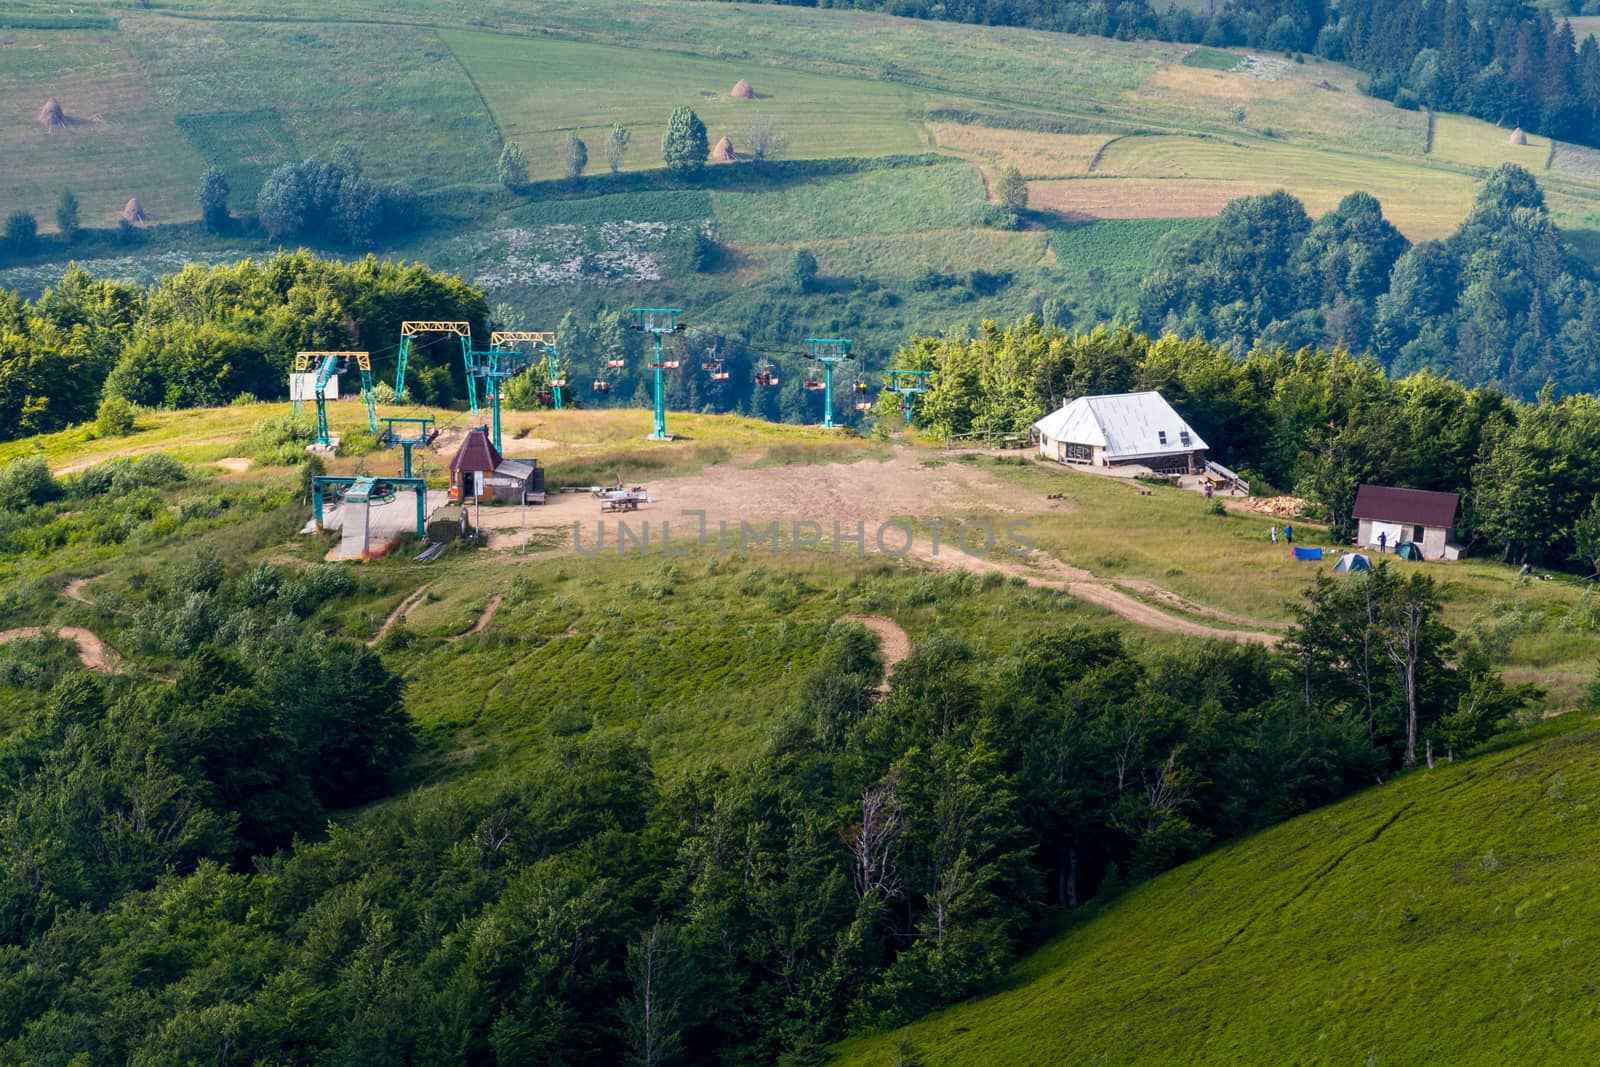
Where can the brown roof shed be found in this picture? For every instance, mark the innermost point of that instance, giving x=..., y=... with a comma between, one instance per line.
x=477, y=453
x=1412, y=507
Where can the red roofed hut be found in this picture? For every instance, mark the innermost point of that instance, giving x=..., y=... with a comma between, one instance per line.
x=1399, y=516
x=472, y=466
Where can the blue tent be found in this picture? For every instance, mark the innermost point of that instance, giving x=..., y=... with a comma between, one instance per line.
x=1307, y=553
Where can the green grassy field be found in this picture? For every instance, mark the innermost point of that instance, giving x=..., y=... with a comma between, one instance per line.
x=428, y=93
x=118, y=143
x=1438, y=918
x=538, y=90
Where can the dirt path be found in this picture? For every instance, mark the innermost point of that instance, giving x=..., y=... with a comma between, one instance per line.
x=93, y=653
x=1050, y=573
x=896, y=642
x=872, y=491
x=394, y=616
x=74, y=589
x=84, y=464
x=483, y=620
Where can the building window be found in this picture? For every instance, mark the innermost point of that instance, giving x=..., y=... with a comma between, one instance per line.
x=1416, y=534
x=1079, y=453
x=1183, y=437
x=1162, y=434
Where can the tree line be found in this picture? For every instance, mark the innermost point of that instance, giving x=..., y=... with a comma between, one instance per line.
x=1503, y=301
x=209, y=335
x=880, y=856
x=1318, y=421
x=1502, y=60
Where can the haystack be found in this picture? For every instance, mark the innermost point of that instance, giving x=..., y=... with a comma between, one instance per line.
x=134, y=212
x=1518, y=138
x=723, y=152
x=51, y=117
x=742, y=91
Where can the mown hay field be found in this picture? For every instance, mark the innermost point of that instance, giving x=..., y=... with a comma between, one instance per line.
x=540, y=90
x=912, y=200
x=1475, y=143
x=1036, y=155
x=398, y=95
x=1424, y=202
x=118, y=141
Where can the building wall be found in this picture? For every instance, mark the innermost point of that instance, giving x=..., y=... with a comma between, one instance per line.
x=1434, y=538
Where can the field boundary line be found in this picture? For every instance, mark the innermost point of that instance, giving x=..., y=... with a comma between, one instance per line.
x=472, y=81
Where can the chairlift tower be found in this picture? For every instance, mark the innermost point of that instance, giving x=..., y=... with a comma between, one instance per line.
x=829, y=351
x=657, y=321
x=328, y=364
x=503, y=362
x=909, y=384
x=415, y=327
x=424, y=434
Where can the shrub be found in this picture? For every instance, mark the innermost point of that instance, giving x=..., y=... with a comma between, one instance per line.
x=512, y=169
x=115, y=418
x=25, y=482
x=22, y=231
x=67, y=215
x=803, y=270
x=213, y=197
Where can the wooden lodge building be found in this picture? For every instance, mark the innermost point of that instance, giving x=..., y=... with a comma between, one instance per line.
x=1121, y=429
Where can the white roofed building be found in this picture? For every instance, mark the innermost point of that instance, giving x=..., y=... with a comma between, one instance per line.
x=1124, y=428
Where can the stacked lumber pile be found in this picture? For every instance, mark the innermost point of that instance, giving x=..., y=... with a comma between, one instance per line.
x=1284, y=507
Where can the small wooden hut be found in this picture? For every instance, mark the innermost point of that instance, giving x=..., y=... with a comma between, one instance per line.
x=473, y=465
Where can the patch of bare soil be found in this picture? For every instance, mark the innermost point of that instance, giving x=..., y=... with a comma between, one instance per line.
x=73, y=590
x=861, y=496
x=483, y=620
x=93, y=653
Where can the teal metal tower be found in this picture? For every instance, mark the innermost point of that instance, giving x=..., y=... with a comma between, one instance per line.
x=328, y=364
x=657, y=321
x=413, y=328
x=829, y=351
x=909, y=384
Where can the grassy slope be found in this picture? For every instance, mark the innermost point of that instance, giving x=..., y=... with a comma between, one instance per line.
x=1541, y=632
x=1442, y=918
x=428, y=97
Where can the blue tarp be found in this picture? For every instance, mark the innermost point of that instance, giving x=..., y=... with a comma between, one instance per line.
x=1307, y=553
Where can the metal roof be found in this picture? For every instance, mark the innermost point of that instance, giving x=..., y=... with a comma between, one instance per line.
x=1413, y=507
x=516, y=468
x=1126, y=425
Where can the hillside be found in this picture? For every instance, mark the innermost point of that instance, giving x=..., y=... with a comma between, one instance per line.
x=1120, y=142
x=1437, y=918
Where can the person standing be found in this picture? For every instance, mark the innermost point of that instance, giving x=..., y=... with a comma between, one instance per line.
x=1288, y=533
x=1272, y=532
x=1383, y=541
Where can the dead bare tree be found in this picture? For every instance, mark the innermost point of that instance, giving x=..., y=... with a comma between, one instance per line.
x=872, y=839
x=764, y=140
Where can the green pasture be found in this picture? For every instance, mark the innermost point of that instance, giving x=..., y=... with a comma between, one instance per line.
x=912, y=201
x=539, y=90
x=119, y=141
x=399, y=94
x=1436, y=918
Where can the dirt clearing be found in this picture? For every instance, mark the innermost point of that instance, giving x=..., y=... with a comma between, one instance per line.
x=729, y=504
x=93, y=653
